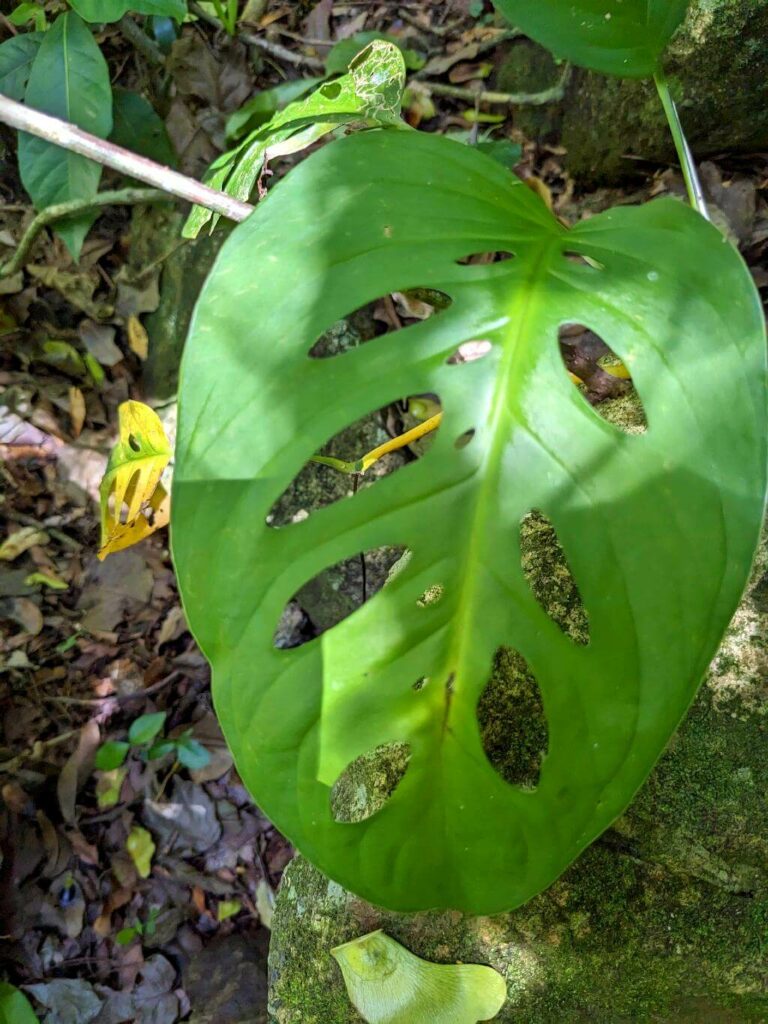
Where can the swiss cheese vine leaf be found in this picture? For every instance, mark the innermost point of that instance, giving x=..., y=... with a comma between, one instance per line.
x=617, y=37
x=390, y=985
x=658, y=529
x=369, y=96
x=70, y=80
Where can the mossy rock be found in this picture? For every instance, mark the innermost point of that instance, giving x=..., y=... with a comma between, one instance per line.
x=664, y=919
x=717, y=65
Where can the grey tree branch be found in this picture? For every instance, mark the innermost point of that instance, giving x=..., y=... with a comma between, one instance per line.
x=120, y=197
x=509, y=99
x=70, y=137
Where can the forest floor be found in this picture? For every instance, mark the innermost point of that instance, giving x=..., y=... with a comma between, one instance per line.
x=144, y=892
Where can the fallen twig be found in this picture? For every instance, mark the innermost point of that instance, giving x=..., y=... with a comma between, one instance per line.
x=508, y=99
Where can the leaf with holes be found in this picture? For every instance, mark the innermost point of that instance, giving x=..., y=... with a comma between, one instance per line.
x=70, y=80
x=658, y=528
x=618, y=37
x=132, y=479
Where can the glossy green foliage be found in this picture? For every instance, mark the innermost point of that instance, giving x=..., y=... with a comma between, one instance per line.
x=139, y=128
x=616, y=37
x=70, y=80
x=388, y=984
x=113, y=10
x=16, y=57
x=14, y=1006
x=658, y=529
x=369, y=96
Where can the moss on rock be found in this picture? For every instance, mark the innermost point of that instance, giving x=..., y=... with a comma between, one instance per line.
x=717, y=65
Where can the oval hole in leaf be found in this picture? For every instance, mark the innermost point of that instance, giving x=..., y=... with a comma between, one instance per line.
x=482, y=258
x=513, y=726
x=339, y=590
x=318, y=485
x=584, y=261
x=549, y=576
x=386, y=315
x=364, y=786
x=470, y=351
x=601, y=378
x=464, y=439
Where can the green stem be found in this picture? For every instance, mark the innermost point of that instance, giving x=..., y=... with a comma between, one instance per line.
x=120, y=197
x=691, y=175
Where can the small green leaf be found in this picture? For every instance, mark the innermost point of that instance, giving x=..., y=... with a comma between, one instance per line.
x=141, y=848
x=388, y=984
x=112, y=10
x=70, y=80
x=139, y=128
x=618, y=37
x=145, y=728
x=29, y=11
x=343, y=53
x=14, y=1006
x=161, y=749
x=16, y=57
x=111, y=755
x=227, y=909
x=126, y=936
x=506, y=153
x=192, y=754
x=45, y=579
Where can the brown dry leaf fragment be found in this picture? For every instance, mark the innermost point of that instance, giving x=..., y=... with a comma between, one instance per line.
x=138, y=339
x=24, y=612
x=99, y=340
x=76, y=770
x=22, y=540
x=208, y=732
x=77, y=288
x=76, y=410
x=114, y=588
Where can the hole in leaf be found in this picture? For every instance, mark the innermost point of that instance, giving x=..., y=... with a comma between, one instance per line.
x=386, y=315
x=602, y=378
x=464, y=439
x=584, y=261
x=479, y=258
x=513, y=725
x=470, y=351
x=134, y=443
x=421, y=683
x=335, y=593
x=549, y=576
x=432, y=596
x=331, y=91
x=319, y=484
x=364, y=787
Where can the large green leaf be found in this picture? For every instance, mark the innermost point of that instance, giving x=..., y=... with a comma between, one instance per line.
x=70, y=80
x=113, y=10
x=659, y=529
x=16, y=57
x=617, y=37
x=14, y=1006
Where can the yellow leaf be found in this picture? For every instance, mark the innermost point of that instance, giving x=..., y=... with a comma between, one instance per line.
x=228, y=908
x=132, y=479
x=141, y=847
x=138, y=338
x=108, y=786
x=76, y=410
x=20, y=541
x=614, y=366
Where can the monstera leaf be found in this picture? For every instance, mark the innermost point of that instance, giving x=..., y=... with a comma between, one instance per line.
x=617, y=37
x=659, y=529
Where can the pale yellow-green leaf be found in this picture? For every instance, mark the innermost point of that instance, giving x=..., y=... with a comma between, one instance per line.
x=388, y=984
x=108, y=786
x=228, y=908
x=132, y=478
x=141, y=847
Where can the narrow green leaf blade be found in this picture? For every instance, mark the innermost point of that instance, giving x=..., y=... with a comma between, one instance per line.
x=70, y=80
x=659, y=529
x=388, y=984
x=16, y=57
x=15, y=1008
x=112, y=10
x=617, y=37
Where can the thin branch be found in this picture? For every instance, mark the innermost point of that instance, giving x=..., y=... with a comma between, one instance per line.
x=51, y=214
x=135, y=35
x=273, y=49
x=507, y=99
x=68, y=136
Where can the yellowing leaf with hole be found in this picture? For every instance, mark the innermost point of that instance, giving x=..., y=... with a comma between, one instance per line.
x=390, y=985
x=132, y=479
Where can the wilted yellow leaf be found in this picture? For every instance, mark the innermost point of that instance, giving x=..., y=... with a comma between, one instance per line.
x=141, y=847
x=108, y=786
x=132, y=479
x=76, y=410
x=138, y=338
x=20, y=541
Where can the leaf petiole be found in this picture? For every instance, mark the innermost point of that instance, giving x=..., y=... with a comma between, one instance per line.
x=687, y=163
x=395, y=444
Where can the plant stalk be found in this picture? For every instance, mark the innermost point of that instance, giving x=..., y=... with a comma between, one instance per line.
x=70, y=137
x=687, y=163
